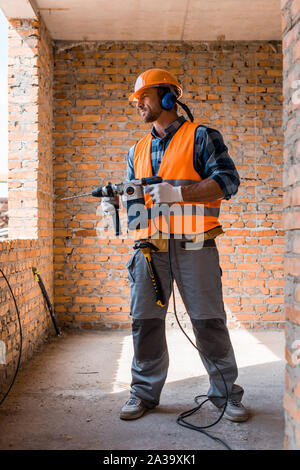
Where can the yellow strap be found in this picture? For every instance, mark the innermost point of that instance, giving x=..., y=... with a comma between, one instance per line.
x=146, y=252
x=35, y=273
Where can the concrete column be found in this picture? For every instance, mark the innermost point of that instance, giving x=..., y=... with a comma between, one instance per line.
x=291, y=180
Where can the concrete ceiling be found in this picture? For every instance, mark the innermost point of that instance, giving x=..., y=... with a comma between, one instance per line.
x=150, y=20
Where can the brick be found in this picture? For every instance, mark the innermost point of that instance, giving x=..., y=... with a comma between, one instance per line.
x=24, y=124
x=292, y=266
x=292, y=314
x=97, y=128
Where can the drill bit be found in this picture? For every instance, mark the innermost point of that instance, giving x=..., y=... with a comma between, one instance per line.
x=73, y=197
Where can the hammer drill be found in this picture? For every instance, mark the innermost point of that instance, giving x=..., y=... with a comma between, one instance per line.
x=131, y=192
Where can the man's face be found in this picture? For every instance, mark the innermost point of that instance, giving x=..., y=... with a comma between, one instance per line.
x=148, y=105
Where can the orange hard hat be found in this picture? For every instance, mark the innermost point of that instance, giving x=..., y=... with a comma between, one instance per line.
x=154, y=78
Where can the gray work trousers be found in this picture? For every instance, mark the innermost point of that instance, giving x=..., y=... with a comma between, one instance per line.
x=198, y=276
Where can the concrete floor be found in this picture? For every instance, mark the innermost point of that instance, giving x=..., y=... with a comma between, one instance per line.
x=69, y=394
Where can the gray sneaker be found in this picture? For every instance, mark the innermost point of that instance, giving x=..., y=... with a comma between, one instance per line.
x=235, y=411
x=133, y=409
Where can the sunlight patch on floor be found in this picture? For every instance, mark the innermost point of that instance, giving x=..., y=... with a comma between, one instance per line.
x=250, y=349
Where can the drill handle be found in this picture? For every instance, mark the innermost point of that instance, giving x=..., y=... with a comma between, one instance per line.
x=151, y=180
x=116, y=221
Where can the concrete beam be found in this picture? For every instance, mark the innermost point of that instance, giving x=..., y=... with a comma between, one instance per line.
x=141, y=20
x=18, y=8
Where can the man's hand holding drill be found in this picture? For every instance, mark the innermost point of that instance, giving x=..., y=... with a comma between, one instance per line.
x=164, y=193
x=109, y=205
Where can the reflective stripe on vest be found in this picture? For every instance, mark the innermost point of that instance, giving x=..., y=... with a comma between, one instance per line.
x=176, y=168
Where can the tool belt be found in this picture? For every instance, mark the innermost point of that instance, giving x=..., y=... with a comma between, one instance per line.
x=203, y=240
x=148, y=246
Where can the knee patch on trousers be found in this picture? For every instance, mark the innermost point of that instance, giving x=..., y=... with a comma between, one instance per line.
x=212, y=337
x=149, y=339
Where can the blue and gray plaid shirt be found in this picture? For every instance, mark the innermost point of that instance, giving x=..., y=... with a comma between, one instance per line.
x=211, y=158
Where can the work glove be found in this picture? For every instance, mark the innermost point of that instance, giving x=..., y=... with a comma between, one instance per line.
x=109, y=205
x=164, y=193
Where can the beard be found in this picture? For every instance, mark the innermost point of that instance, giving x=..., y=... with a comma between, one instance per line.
x=149, y=115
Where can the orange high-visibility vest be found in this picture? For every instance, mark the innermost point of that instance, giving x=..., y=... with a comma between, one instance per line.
x=176, y=168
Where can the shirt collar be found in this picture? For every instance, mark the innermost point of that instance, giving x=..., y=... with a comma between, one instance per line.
x=170, y=129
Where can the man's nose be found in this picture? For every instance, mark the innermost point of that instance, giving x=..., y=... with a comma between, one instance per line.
x=139, y=103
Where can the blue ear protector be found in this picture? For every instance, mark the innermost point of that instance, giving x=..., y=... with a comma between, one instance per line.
x=169, y=100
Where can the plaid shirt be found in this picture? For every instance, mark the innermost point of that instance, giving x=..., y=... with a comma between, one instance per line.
x=211, y=158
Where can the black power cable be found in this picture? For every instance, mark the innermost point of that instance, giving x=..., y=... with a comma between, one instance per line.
x=46, y=297
x=58, y=332
x=181, y=418
x=21, y=339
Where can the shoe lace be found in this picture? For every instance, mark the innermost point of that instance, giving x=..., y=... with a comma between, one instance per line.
x=133, y=401
x=238, y=404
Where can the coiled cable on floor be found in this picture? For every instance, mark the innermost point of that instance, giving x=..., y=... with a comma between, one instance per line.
x=20, y=343
x=181, y=418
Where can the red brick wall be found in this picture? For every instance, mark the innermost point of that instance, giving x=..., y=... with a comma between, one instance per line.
x=234, y=87
x=30, y=190
x=30, y=175
x=17, y=257
x=291, y=126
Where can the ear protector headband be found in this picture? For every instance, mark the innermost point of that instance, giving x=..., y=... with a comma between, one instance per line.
x=170, y=99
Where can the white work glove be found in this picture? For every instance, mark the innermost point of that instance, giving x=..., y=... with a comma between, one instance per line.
x=164, y=193
x=109, y=204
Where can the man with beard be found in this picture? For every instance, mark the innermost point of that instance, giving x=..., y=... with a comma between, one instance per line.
x=196, y=170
